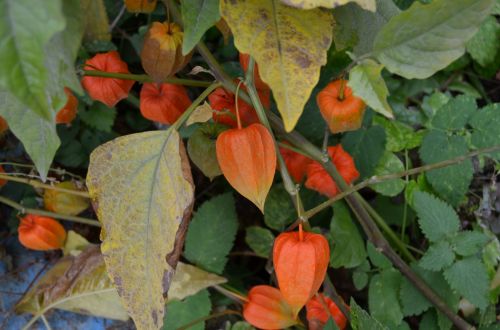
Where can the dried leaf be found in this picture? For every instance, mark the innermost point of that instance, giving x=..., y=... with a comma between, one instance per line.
x=201, y=114
x=96, y=21
x=308, y=4
x=189, y=280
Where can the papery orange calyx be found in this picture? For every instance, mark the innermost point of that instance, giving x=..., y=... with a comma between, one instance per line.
x=295, y=163
x=41, y=233
x=267, y=309
x=300, y=262
x=318, y=178
x=247, y=159
x=259, y=83
x=3, y=125
x=319, y=309
x=341, y=110
x=2, y=181
x=68, y=112
x=163, y=103
x=107, y=90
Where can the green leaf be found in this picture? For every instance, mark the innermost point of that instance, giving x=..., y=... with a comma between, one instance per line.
x=260, y=240
x=367, y=83
x=469, y=278
x=143, y=194
x=348, y=245
x=38, y=136
x=383, y=297
x=357, y=27
x=388, y=164
x=438, y=256
x=198, y=16
x=426, y=38
x=99, y=117
x=242, y=325
x=451, y=182
x=455, y=114
x=484, y=46
x=437, y=219
x=485, y=123
x=361, y=320
x=211, y=233
x=376, y=257
x=288, y=44
x=467, y=243
x=280, y=211
x=360, y=280
x=366, y=146
x=25, y=29
x=399, y=135
x=201, y=148
x=181, y=313
x=330, y=325
x=429, y=321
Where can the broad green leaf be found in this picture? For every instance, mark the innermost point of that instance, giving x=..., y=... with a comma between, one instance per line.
x=383, y=297
x=455, y=114
x=25, y=29
x=467, y=243
x=198, y=16
x=484, y=45
x=377, y=258
x=355, y=27
x=437, y=219
x=181, y=313
x=142, y=190
x=485, y=123
x=389, y=163
x=451, y=182
x=38, y=136
x=348, y=246
x=361, y=320
x=360, y=280
x=280, y=211
x=429, y=321
x=242, y=325
x=431, y=104
x=78, y=284
x=309, y=4
x=260, y=240
x=399, y=135
x=367, y=147
x=289, y=45
x=469, y=278
x=211, y=233
x=438, y=256
x=366, y=82
x=99, y=117
x=188, y=280
x=201, y=148
x=426, y=38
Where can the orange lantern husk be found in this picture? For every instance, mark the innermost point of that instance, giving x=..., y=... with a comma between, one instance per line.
x=140, y=6
x=267, y=309
x=68, y=112
x=41, y=233
x=163, y=103
x=2, y=182
x=295, y=163
x=318, y=178
x=341, y=112
x=300, y=262
x=3, y=125
x=259, y=83
x=318, y=315
x=247, y=158
x=107, y=90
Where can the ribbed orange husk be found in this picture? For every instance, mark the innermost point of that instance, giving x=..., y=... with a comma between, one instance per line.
x=161, y=55
x=163, y=103
x=68, y=112
x=266, y=309
x=2, y=182
x=3, y=125
x=259, y=83
x=318, y=178
x=317, y=315
x=247, y=159
x=300, y=262
x=107, y=90
x=295, y=163
x=41, y=233
x=340, y=115
x=140, y=6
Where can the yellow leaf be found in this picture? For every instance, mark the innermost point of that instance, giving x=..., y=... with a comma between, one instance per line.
x=201, y=114
x=96, y=21
x=74, y=244
x=189, y=280
x=289, y=45
x=308, y=4
x=62, y=202
x=142, y=189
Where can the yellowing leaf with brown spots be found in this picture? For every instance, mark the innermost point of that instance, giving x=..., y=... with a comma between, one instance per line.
x=288, y=44
x=308, y=4
x=142, y=190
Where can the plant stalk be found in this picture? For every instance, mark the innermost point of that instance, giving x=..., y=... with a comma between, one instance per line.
x=145, y=78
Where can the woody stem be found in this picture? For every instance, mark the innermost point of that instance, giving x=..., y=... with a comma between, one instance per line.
x=145, y=78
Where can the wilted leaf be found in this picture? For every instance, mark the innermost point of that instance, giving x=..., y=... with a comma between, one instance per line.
x=96, y=21
x=201, y=114
x=189, y=279
x=74, y=244
x=198, y=16
x=201, y=149
x=62, y=202
x=308, y=4
x=142, y=189
x=427, y=37
x=288, y=44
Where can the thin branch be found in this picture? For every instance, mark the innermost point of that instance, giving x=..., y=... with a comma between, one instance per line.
x=145, y=78
x=209, y=317
x=38, y=184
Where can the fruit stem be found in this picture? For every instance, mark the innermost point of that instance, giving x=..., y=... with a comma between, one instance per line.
x=341, y=91
x=238, y=120
x=301, y=233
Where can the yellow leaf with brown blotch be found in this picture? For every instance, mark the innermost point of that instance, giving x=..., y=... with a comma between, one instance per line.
x=308, y=4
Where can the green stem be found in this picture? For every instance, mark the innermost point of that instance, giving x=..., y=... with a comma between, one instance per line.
x=38, y=184
x=145, y=78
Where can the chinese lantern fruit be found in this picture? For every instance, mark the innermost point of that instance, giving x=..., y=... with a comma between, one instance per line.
x=163, y=103
x=107, y=90
x=318, y=178
x=300, y=262
x=341, y=110
x=317, y=315
x=266, y=309
x=62, y=202
x=68, y=112
x=140, y=6
x=41, y=233
x=295, y=163
x=3, y=125
x=247, y=158
x=259, y=84
x=161, y=55
x=2, y=182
